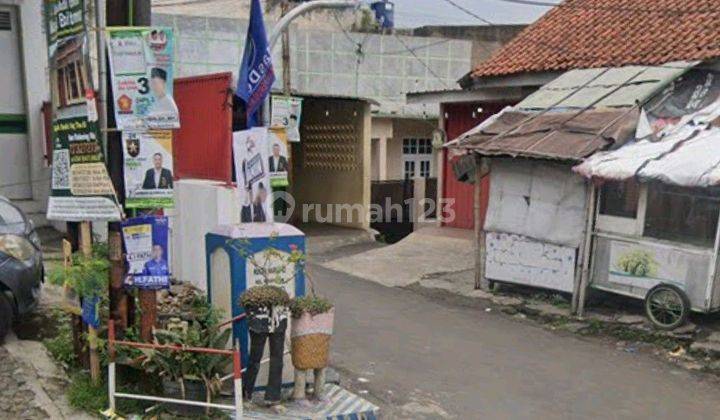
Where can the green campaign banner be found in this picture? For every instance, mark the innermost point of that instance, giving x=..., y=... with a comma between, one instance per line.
x=81, y=188
x=64, y=19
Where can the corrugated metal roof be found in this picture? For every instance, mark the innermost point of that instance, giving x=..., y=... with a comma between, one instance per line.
x=597, y=88
x=563, y=135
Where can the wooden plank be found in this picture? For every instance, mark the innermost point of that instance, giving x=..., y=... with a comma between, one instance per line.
x=480, y=281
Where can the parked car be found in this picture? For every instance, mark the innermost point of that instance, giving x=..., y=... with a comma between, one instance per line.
x=21, y=265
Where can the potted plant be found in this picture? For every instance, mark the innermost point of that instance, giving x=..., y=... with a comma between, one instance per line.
x=190, y=375
x=312, y=327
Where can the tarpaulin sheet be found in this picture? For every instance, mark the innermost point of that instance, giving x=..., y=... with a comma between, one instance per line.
x=687, y=155
x=536, y=199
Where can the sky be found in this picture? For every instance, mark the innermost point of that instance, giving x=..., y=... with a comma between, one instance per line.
x=413, y=13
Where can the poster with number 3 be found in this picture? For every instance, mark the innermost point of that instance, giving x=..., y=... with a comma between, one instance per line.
x=141, y=67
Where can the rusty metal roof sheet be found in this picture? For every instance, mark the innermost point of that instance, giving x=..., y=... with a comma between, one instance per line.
x=568, y=136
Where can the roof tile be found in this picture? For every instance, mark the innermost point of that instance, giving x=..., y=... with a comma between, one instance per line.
x=602, y=33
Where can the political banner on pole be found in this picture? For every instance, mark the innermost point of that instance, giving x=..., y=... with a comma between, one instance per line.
x=146, y=249
x=286, y=113
x=279, y=158
x=256, y=69
x=250, y=148
x=148, y=169
x=81, y=188
x=141, y=69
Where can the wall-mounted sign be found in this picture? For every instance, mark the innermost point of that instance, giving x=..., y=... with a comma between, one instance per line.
x=148, y=169
x=81, y=188
x=141, y=67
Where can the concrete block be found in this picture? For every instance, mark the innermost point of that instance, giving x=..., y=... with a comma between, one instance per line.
x=223, y=52
x=298, y=40
x=320, y=41
x=222, y=68
x=344, y=64
x=459, y=68
x=159, y=19
x=391, y=86
x=368, y=86
x=348, y=43
x=190, y=25
x=194, y=51
x=438, y=48
x=414, y=68
x=439, y=67
x=390, y=44
x=370, y=64
x=185, y=70
x=460, y=50
x=225, y=28
x=319, y=84
x=392, y=66
x=343, y=84
x=372, y=45
x=320, y=62
x=298, y=61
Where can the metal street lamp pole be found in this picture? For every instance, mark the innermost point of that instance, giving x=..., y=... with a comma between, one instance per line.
x=282, y=25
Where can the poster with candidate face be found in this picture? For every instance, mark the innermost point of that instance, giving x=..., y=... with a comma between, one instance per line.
x=141, y=67
x=147, y=255
x=285, y=114
x=279, y=158
x=253, y=177
x=148, y=169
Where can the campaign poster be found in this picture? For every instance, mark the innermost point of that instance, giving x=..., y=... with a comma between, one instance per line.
x=63, y=18
x=81, y=188
x=141, y=68
x=251, y=172
x=146, y=252
x=148, y=169
x=285, y=114
x=278, y=159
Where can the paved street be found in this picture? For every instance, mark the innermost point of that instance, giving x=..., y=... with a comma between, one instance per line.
x=423, y=358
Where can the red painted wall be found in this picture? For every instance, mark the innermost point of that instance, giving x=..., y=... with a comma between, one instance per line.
x=202, y=147
x=461, y=118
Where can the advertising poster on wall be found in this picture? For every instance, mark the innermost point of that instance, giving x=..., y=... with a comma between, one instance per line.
x=147, y=254
x=148, y=169
x=278, y=159
x=285, y=114
x=64, y=19
x=253, y=178
x=81, y=188
x=645, y=266
x=141, y=68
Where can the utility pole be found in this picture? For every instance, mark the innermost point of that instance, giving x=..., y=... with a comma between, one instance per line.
x=285, y=6
x=122, y=13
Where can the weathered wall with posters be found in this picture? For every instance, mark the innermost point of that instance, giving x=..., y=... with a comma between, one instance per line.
x=326, y=62
x=331, y=165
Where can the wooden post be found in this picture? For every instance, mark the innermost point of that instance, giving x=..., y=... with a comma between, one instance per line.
x=148, y=311
x=118, y=297
x=480, y=281
x=86, y=247
x=586, y=250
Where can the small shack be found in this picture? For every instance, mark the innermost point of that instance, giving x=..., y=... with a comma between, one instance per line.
x=534, y=232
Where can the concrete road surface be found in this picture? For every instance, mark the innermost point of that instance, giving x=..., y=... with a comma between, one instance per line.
x=420, y=357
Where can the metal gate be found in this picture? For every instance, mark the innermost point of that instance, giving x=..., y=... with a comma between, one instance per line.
x=202, y=147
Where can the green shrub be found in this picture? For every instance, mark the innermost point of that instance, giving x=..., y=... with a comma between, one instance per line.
x=312, y=305
x=61, y=346
x=264, y=296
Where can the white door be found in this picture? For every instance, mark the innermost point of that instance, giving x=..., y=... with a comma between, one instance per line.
x=417, y=158
x=14, y=163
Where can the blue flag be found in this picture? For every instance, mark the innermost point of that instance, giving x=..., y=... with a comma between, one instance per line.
x=256, y=70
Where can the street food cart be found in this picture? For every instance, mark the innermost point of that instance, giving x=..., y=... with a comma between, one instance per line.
x=654, y=229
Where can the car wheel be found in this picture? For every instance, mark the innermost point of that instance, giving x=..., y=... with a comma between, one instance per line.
x=667, y=306
x=6, y=317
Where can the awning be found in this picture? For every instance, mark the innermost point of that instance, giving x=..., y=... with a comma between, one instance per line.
x=688, y=156
x=562, y=136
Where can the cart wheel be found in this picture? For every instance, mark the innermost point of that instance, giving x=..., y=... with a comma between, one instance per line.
x=667, y=306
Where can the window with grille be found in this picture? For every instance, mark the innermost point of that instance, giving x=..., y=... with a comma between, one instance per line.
x=71, y=82
x=417, y=157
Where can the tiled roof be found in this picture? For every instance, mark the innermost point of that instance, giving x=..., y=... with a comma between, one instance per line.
x=610, y=33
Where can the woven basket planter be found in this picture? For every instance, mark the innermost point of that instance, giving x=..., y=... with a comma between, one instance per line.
x=311, y=340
